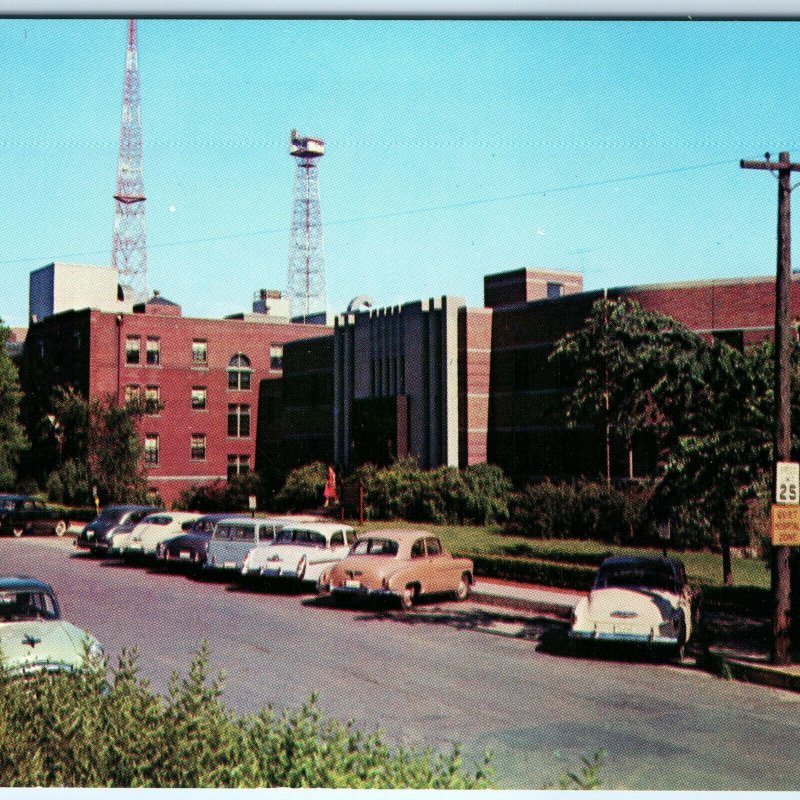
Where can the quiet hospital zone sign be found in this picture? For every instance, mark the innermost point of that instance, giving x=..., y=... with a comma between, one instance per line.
x=785, y=517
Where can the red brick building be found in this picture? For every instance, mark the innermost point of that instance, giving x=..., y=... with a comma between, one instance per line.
x=527, y=436
x=199, y=380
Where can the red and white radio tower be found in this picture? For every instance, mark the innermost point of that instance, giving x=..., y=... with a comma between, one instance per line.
x=306, y=276
x=129, y=250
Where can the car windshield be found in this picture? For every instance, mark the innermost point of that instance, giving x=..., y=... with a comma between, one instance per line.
x=300, y=536
x=204, y=526
x=29, y=605
x=629, y=576
x=374, y=547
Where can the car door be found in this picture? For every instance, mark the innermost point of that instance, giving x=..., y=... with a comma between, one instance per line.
x=27, y=516
x=438, y=567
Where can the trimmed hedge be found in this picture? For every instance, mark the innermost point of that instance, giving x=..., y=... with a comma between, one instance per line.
x=526, y=570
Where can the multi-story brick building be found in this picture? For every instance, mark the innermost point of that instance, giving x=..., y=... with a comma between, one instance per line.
x=527, y=433
x=198, y=378
x=446, y=384
x=452, y=385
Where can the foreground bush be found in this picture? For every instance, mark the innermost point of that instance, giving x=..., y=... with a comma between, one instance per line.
x=112, y=730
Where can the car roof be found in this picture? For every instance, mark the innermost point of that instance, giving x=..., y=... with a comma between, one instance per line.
x=322, y=527
x=652, y=562
x=214, y=517
x=152, y=509
x=286, y=520
x=399, y=534
x=10, y=583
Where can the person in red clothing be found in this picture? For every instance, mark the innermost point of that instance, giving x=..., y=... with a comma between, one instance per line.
x=330, y=494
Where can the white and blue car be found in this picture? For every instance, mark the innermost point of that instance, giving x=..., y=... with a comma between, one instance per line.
x=300, y=552
x=638, y=599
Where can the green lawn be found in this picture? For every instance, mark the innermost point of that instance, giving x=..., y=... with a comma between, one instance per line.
x=703, y=568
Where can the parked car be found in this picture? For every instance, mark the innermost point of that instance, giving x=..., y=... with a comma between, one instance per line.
x=639, y=599
x=234, y=537
x=96, y=536
x=23, y=514
x=154, y=529
x=401, y=564
x=190, y=548
x=33, y=637
x=300, y=552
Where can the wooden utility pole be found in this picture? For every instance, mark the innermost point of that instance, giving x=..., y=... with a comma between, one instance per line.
x=781, y=589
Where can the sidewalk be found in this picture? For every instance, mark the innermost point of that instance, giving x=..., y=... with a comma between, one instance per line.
x=523, y=602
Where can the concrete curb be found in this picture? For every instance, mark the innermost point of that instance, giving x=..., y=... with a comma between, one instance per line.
x=727, y=666
x=546, y=608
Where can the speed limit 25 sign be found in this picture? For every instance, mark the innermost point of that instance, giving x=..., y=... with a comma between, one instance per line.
x=787, y=483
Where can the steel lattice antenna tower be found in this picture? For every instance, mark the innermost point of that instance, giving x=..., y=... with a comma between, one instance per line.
x=129, y=249
x=306, y=275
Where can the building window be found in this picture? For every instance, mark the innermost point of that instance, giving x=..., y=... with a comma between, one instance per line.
x=152, y=400
x=239, y=372
x=132, y=395
x=555, y=290
x=198, y=447
x=276, y=357
x=151, y=449
x=199, y=353
x=238, y=465
x=132, y=345
x=238, y=421
x=153, y=352
x=199, y=397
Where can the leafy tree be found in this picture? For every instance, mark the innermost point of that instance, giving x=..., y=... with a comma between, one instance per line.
x=709, y=405
x=13, y=441
x=97, y=444
x=651, y=370
x=115, y=450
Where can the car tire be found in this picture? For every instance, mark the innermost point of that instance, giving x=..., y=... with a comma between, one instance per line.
x=17, y=531
x=408, y=597
x=60, y=528
x=462, y=590
x=679, y=651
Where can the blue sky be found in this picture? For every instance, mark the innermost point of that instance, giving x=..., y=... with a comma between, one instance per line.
x=454, y=149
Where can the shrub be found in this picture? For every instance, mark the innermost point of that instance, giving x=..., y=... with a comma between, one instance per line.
x=303, y=488
x=188, y=738
x=617, y=515
x=232, y=495
x=477, y=495
x=55, y=488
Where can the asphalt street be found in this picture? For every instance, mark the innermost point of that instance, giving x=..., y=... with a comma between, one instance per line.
x=430, y=678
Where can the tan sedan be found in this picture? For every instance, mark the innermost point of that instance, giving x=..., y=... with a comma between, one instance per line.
x=405, y=564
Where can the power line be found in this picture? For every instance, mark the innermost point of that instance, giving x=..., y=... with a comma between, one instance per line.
x=407, y=212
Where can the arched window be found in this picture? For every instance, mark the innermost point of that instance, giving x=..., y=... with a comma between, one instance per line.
x=239, y=372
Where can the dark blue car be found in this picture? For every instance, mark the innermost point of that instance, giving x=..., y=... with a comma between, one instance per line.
x=191, y=548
